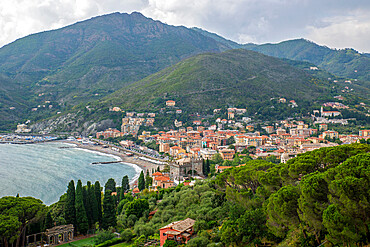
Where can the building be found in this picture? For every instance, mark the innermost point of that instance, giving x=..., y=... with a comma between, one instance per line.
x=269, y=129
x=184, y=167
x=227, y=154
x=22, y=128
x=330, y=134
x=109, y=133
x=170, y=103
x=329, y=113
x=179, y=231
x=364, y=133
x=323, y=127
x=220, y=169
x=177, y=123
x=207, y=153
x=162, y=181
x=164, y=147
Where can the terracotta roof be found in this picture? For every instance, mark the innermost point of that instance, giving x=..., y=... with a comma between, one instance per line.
x=173, y=232
x=162, y=178
x=157, y=174
x=180, y=226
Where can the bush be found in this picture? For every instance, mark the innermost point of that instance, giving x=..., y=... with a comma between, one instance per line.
x=110, y=242
x=127, y=235
x=170, y=243
x=198, y=242
x=103, y=236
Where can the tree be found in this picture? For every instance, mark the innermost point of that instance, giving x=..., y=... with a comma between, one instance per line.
x=70, y=209
x=9, y=229
x=16, y=214
x=109, y=210
x=217, y=159
x=81, y=218
x=110, y=185
x=313, y=201
x=141, y=182
x=124, y=187
x=48, y=221
x=90, y=205
x=94, y=205
x=102, y=236
x=282, y=210
x=170, y=243
x=148, y=180
x=347, y=219
x=137, y=207
x=97, y=190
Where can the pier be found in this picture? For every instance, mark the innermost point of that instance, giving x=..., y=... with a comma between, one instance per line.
x=106, y=162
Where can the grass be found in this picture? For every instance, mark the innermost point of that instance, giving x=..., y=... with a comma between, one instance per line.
x=80, y=243
x=122, y=245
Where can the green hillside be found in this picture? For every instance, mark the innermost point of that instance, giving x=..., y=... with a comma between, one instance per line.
x=342, y=63
x=90, y=59
x=236, y=77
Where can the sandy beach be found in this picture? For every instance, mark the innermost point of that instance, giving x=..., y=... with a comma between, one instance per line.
x=142, y=164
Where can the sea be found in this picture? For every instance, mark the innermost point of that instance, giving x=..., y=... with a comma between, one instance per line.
x=44, y=170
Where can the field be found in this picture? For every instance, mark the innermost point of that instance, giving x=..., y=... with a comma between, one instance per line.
x=80, y=243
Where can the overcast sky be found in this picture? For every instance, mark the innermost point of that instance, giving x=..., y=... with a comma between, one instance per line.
x=334, y=23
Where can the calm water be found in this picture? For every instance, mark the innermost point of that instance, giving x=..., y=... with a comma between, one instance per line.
x=44, y=170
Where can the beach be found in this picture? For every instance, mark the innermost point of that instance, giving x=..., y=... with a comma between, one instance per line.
x=137, y=163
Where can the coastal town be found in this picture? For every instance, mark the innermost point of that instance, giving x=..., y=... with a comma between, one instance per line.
x=182, y=150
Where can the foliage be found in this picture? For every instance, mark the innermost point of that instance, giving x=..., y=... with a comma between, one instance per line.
x=125, y=186
x=16, y=214
x=109, y=210
x=141, y=181
x=136, y=207
x=98, y=195
x=81, y=218
x=103, y=235
x=110, y=185
x=170, y=243
x=70, y=209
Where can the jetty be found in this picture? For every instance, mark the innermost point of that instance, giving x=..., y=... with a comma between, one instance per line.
x=106, y=162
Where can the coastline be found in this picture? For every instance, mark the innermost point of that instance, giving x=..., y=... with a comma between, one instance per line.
x=133, y=161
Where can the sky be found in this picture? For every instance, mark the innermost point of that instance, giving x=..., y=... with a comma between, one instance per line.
x=334, y=23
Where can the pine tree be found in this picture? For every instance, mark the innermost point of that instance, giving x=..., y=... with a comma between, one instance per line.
x=110, y=185
x=141, y=182
x=81, y=218
x=97, y=190
x=48, y=221
x=70, y=210
x=124, y=187
x=109, y=210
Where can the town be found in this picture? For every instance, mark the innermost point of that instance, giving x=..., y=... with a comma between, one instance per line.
x=184, y=148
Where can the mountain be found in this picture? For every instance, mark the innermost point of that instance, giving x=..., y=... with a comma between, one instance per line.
x=218, y=38
x=346, y=63
x=93, y=58
x=207, y=81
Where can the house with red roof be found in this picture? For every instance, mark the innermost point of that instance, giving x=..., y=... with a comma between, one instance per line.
x=178, y=231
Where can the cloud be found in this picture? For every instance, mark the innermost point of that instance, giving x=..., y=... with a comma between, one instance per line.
x=344, y=31
x=339, y=23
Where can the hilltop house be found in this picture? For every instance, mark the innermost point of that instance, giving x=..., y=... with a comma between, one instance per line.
x=179, y=231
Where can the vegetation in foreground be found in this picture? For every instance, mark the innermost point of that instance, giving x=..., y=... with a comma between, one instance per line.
x=318, y=197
